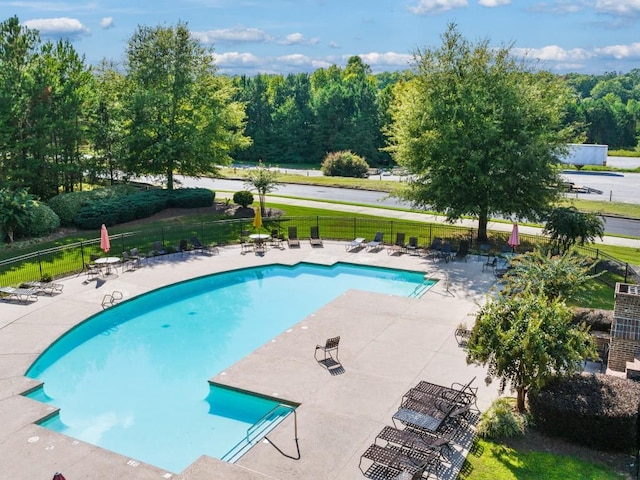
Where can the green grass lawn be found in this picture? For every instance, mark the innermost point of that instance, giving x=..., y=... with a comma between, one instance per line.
x=494, y=461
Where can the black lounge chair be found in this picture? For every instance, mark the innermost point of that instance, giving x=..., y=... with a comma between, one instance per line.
x=376, y=242
x=198, y=245
x=389, y=462
x=457, y=392
x=412, y=246
x=314, y=237
x=421, y=441
x=399, y=246
x=446, y=252
x=433, y=249
x=293, y=240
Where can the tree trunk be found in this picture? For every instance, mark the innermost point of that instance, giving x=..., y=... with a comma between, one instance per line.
x=170, y=179
x=483, y=219
x=522, y=392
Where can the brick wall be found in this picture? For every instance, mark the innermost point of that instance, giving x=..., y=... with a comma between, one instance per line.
x=625, y=331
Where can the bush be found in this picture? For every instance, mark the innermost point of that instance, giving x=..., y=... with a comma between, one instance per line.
x=43, y=222
x=345, y=164
x=502, y=420
x=67, y=205
x=243, y=198
x=143, y=204
x=598, y=320
x=598, y=411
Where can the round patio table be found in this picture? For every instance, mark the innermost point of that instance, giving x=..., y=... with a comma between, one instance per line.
x=108, y=261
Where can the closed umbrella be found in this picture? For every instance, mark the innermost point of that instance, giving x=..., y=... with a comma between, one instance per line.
x=514, y=239
x=58, y=476
x=257, y=220
x=104, y=239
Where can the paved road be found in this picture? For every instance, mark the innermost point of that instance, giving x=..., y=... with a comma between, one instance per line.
x=613, y=225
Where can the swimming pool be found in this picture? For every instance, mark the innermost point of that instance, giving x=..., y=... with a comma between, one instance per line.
x=133, y=379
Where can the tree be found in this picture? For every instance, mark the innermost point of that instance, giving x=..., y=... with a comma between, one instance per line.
x=567, y=226
x=182, y=116
x=527, y=339
x=480, y=133
x=16, y=210
x=554, y=276
x=344, y=164
x=263, y=181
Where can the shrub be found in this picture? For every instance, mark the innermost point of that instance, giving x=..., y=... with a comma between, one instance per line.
x=598, y=411
x=598, y=320
x=345, y=164
x=43, y=222
x=190, y=198
x=502, y=420
x=243, y=198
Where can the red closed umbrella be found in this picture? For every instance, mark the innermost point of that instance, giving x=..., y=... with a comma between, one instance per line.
x=514, y=239
x=104, y=239
x=58, y=476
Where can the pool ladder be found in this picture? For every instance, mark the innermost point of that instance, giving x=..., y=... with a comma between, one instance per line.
x=263, y=426
x=420, y=289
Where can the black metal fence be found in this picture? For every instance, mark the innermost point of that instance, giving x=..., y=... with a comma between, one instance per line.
x=69, y=259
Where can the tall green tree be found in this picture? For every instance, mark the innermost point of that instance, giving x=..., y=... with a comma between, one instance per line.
x=107, y=124
x=525, y=340
x=182, y=115
x=567, y=226
x=16, y=210
x=480, y=132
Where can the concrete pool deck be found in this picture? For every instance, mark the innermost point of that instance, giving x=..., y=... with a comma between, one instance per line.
x=387, y=345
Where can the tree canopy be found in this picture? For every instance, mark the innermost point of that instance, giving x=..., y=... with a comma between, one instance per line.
x=479, y=131
x=183, y=117
x=567, y=226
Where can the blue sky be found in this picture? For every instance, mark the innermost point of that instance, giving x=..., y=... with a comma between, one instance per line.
x=290, y=36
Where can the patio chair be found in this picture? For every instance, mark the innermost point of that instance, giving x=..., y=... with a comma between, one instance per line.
x=421, y=441
x=446, y=252
x=463, y=251
x=314, y=237
x=329, y=346
x=376, y=242
x=45, y=287
x=355, y=244
x=136, y=256
x=433, y=249
x=198, y=245
x=127, y=261
x=484, y=250
x=183, y=246
x=22, y=295
x=412, y=246
x=399, y=246
x=158, y=249
x=275, y=239
x=490, y=264
x=245, y=244
x=292, y=239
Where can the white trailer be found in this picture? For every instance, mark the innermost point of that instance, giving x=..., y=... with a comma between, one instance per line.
x=580, y=155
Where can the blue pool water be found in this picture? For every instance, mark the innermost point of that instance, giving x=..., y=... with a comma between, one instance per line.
x=133, y=379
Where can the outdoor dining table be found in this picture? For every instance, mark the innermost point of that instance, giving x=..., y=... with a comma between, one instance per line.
x=108, y=262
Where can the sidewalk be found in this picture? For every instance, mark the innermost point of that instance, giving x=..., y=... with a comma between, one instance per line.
x=425, y=217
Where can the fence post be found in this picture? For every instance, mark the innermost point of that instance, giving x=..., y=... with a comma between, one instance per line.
x=40, y=264
x=626, y=272
x=122, y=241
x=354, y=227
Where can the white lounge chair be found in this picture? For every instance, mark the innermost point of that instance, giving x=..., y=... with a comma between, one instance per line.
x=376, y=242
x=46, y=287
x=355, y=244
x=22, y=295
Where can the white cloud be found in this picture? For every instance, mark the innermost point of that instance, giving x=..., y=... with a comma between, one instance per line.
x=295, y=59
x=555, y=53
x=493, y=3
x=63, y=26
x=236, y=59
x=294, y=38
x=561, y=7
x=426, y=7
x=232, y=35
x=106, y=22
x=333, y=44
x=620, y=52
x=374, y=59
x=618, y=7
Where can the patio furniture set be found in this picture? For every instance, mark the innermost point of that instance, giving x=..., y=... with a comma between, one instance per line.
x=428, y=424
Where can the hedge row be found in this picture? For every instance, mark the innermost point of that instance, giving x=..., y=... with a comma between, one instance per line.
x=597, y=411
x=143, y=204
